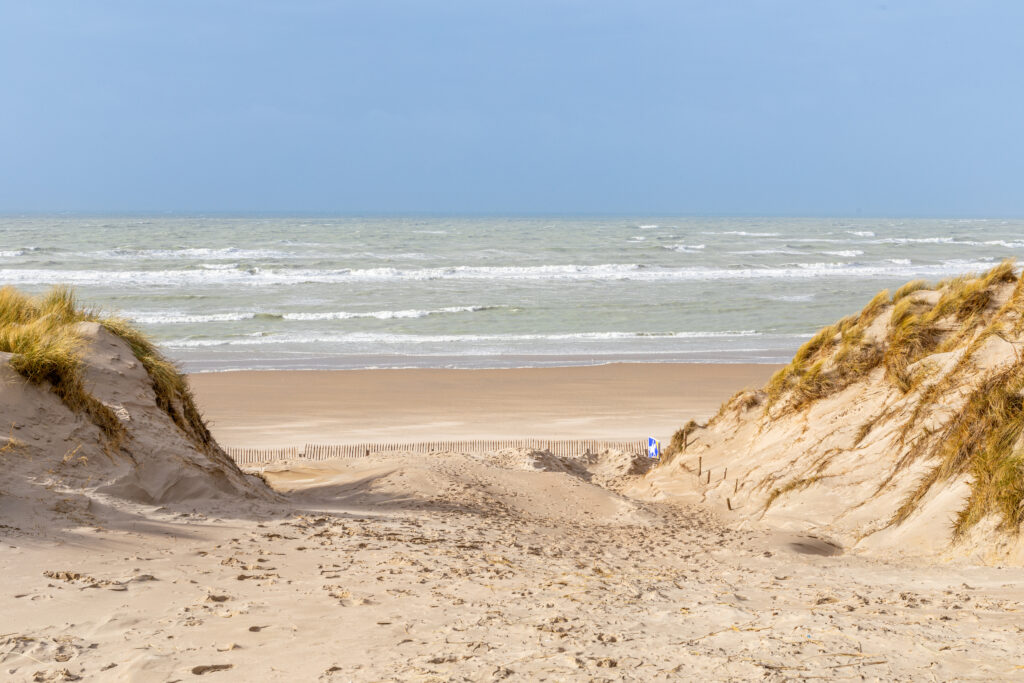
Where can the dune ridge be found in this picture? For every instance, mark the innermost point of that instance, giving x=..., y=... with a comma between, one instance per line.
x=897, y=430
x=90, y=410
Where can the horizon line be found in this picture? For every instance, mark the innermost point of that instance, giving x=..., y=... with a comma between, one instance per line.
x=113, y=213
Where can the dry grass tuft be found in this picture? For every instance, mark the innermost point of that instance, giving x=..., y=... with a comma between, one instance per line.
x=794, y=485
x=908, y=289
x=681, y=439
x=173, y=394
x=47, y=350
x=41, y=333
x=984, y=442
x=919, y=330
x=832, y=360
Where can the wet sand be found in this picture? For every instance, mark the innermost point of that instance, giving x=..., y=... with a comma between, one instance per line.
x=616, y=401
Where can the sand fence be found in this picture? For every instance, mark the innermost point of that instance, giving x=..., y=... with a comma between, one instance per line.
x=564, y=447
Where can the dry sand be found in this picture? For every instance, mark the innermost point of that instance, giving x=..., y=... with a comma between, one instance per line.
x=478, y=567
x=510, y=565
x=617, y=401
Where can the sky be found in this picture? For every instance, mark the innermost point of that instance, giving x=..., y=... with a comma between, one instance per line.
x=728, y=107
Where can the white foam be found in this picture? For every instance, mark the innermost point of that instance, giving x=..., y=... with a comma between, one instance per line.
x=258, y=277
x=919, y=240
x=849, y=253
x=388, y=338
x=743, y=233
x=861, y=233
x=191, y=253
x=174, y=317
x=385, y=315
x=1004, y=243
x=767, y=252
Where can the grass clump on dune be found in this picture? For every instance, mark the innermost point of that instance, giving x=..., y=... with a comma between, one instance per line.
x=681, y=439
x=919, y=329
x=41, y=332
x=983, y=441
x=830, y=361
x=173, y=394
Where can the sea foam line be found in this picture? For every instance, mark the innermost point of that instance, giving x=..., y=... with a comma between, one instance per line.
x=171, y=318
x=257, y=277
x=389, y=338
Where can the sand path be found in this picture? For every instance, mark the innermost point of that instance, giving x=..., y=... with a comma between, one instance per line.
x=460, y=567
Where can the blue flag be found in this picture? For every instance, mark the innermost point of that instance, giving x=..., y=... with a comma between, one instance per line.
x=653, y=447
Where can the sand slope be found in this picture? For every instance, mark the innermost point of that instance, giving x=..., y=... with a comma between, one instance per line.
x=59, y=467
x=840, y=456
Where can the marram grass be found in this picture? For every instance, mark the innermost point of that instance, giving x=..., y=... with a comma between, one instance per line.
x=983, y=442
x=41, y=332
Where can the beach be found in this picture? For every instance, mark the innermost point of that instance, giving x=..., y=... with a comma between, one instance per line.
x=162, y=561
x=614, y=402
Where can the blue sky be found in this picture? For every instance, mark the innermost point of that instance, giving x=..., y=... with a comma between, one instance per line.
x=808, y=107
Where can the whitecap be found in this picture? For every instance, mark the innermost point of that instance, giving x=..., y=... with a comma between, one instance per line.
x=849, y=253
x=177, y=317
x=262, y=277
x=259, y=339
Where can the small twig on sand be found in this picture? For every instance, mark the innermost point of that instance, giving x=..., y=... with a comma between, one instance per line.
x=840, y=666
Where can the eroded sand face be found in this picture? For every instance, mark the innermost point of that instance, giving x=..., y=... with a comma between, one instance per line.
x=466, y=567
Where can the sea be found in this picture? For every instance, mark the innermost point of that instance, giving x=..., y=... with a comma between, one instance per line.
x=259, y=292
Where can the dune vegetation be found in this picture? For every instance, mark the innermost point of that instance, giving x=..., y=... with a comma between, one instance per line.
x=42, y=333
x=945, y=359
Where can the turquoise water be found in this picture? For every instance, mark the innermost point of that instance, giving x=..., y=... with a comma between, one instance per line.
x=273, y=292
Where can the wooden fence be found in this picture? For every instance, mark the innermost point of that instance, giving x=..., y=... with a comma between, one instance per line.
x=565, y=448
x=249, y=456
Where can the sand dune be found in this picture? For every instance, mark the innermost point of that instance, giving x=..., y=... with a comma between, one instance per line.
x=897, y=431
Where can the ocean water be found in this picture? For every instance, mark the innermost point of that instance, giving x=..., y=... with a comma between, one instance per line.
x=273, y=292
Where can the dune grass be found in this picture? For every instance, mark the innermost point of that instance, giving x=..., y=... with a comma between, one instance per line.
x=680, y=439
x=47, y=350
x=919, y=330
x=834, y=358
x=983, y=442
x=41, y=333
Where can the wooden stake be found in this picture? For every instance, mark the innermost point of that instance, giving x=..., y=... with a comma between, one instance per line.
x=700, y=465
x=728, y=503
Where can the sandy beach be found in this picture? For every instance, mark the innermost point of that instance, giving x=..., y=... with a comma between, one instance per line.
x=167, y=563
x=616, y=401
x=477, y=567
